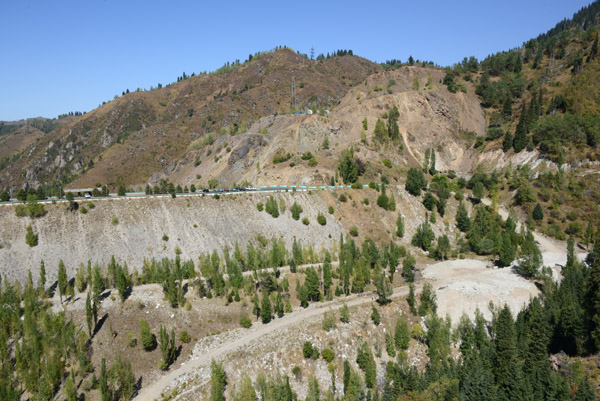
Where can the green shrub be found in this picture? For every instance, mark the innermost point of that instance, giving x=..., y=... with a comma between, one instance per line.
x=131, y=340
x=343, y=198
x=31, y=238
x=387, y=163
x=296, y=209
x=165, y=237
x=327, y=355
x=328, y=322
x=330, y=209
x=184, y=337
x=353, y=231
x=321, y=219
x=305, y=221
x=260, y=206
x=245, y=321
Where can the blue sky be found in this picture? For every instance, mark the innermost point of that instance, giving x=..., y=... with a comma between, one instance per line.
x=60, y=56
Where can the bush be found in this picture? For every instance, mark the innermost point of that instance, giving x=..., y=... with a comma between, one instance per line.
x=296, y=209
x=387, y=163
x=327, y=354
x=330, y=209
x=31, y=238
x=328, y=322
x=345, y=314
x=305, y=221
x=343, y=198
x=260, y=206
x=245, y=321
x=310, y=351
x=321, y=219
x=271, y=207
x=165, y=237
x=131, y=340
x=353, y=231
x=184, y=337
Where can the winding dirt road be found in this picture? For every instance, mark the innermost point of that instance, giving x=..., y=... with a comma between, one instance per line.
x=255, y=333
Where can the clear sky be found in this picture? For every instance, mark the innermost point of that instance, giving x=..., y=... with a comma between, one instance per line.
x=60, y=56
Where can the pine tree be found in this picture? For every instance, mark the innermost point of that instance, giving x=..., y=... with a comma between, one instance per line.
x=463, y=222
x=313, y=393
x=520, y=139
x=265, y=309
x=245, y=390
x=536, y=366
x=380, y=132
x=585, y=392
x=412, y=301
x=402, y=333
x=146, y=337
x=104, y=392
x=384, y=290
x=70, y=391
x=62, y=279
x=375, y=317
x=400, y=226
x=538, y=213
x=506, y=368
x=507, y=250
x=531, y=257
x=592, y=300
x=570, y=252
x=88, y=313
x=478, y=385
x=42, y=276
x=218, y=381
x=507, y=107
x=507, y=142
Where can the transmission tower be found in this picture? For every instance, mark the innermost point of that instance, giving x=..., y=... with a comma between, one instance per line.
x=293, y=100
x=312, y=53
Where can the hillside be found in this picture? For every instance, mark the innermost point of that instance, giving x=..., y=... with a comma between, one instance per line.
x=145, y=132
x=448, y=247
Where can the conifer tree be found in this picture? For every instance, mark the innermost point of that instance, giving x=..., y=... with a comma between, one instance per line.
x=62, y=279
x=531, y=257
x=265, y=309
x=400, y=226
x=104, y=391
x=218, y=381
x=538, y=213
x=412, y=301
x=463, y=222
x=402, y=333
x=88, y=313
x=507, y=250
x=593, y=294
x=520, y=139
x=42, y=276
x=506, y=367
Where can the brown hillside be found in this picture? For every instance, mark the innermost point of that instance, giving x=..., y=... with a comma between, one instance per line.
x=128, y=139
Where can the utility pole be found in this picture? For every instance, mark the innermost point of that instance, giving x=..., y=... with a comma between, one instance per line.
x=293, y=100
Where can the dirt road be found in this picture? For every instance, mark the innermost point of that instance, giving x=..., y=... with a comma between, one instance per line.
x=255, y=333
